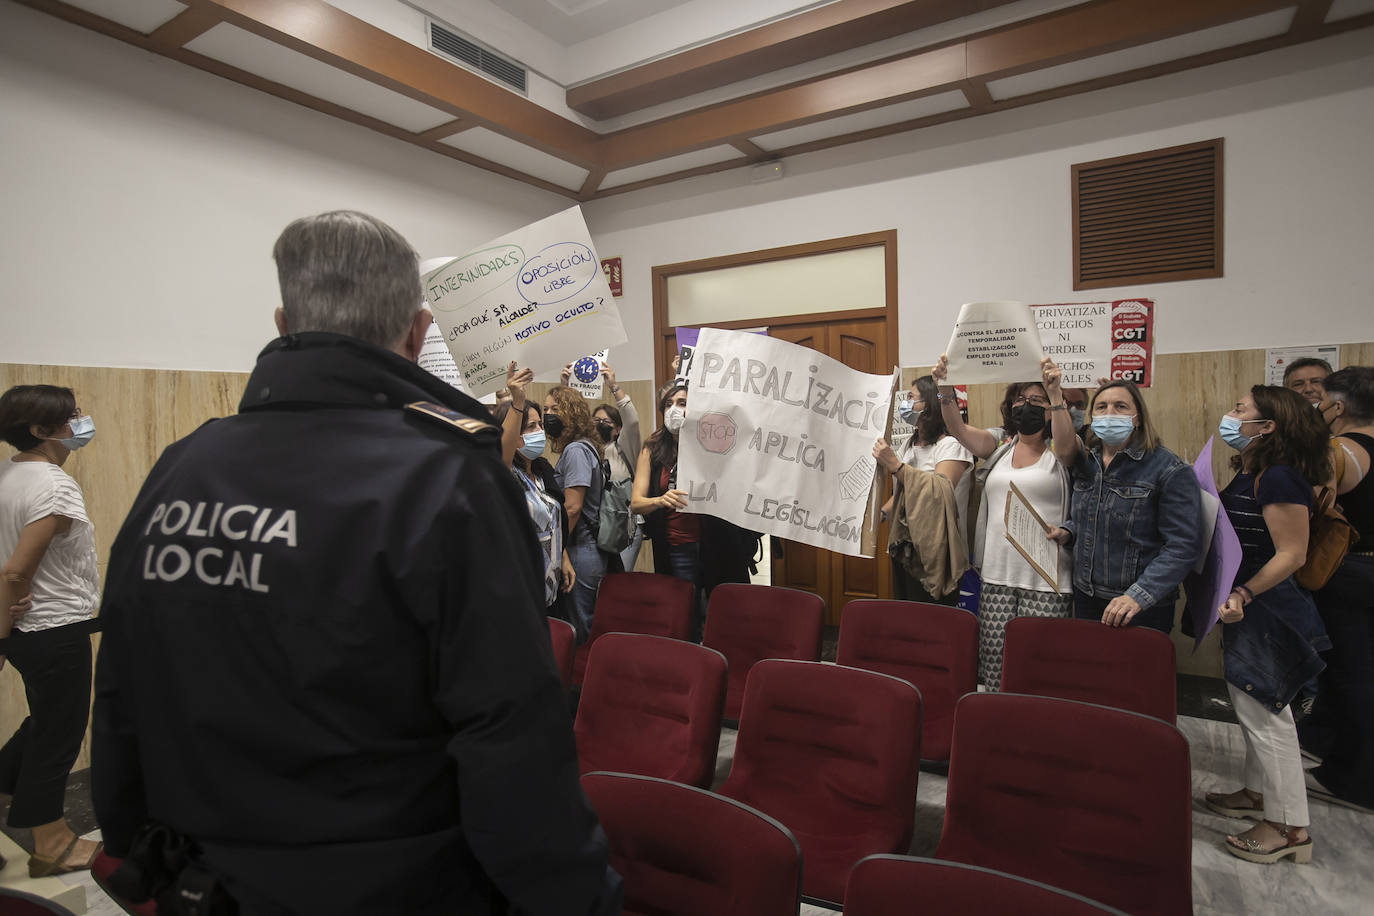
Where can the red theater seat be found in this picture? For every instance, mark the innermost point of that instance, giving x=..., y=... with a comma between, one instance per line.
x=651, y=706
x=886, y=885
x=748, y=623
x=1123, y=667
x=562, y=636
x=933, y=647
x=1082, y=797
x=831, y=752
x=101, y=870
x=637, y=602
x=684, y=851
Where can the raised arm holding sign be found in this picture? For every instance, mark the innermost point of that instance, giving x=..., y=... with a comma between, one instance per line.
x=994, y=342
x=537, y=296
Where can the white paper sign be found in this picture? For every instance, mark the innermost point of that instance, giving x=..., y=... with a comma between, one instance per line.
x=537, y=296
x=1276, y=359
x=436, y=360
x=586, y=375
x=994, y=342
x=779, y=439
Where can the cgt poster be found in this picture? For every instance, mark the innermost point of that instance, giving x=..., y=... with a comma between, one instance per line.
x=1095, y=340
x=537, y=296
x=779, y=439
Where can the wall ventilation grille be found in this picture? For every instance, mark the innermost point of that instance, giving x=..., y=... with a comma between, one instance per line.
x=475, y=57
x=1148, y=217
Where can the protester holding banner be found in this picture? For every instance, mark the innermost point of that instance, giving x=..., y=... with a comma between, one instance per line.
x=1134, y=520
x=931, y=450
x=1272, y=633
x=1346, y=605
x=1012, y=587
x=618, y=427
x=522, y=448
x=568, y=423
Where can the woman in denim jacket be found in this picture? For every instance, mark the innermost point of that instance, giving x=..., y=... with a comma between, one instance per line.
x=1135, y=516
x=1272, y=633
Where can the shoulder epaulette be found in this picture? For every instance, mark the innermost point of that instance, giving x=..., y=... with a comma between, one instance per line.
x=478, y=429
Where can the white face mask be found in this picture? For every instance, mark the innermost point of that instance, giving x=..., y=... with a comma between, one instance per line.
x=674, y=417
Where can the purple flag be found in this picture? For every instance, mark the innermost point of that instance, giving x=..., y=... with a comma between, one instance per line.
x=1208, y=586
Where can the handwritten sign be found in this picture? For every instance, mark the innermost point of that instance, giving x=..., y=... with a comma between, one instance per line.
x=537, y=296
x=994, y=342
x=779, y=439
x=1093, y=340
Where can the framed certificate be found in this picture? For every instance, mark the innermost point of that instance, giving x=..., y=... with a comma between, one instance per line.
x=1026, y=531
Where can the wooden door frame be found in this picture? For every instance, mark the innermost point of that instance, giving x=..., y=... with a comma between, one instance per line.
x=887, y=239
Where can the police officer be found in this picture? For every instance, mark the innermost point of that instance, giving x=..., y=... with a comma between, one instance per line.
x=325, y=663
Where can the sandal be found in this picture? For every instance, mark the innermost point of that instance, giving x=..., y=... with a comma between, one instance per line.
x=43, y=867
x=1252, y=850
x=1221, y=803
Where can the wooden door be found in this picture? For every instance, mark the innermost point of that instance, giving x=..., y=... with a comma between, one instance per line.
x=860, y=344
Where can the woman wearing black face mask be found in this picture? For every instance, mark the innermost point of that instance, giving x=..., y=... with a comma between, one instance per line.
x=618, y=428
x=1011, y=586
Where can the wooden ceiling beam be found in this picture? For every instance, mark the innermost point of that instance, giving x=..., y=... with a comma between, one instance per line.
x=327, y=34
x=1096, y=28
x=1070, y=34
x=808, y=36
x=801, y=103
x=189, y=24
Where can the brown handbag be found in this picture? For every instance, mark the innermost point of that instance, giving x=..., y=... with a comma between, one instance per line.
x=1329, y=536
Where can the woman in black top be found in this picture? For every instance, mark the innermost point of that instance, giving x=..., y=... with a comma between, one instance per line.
x=1346, y=604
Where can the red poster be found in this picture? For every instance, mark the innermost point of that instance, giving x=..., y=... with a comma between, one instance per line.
x=1095, y=340
x=611, y=267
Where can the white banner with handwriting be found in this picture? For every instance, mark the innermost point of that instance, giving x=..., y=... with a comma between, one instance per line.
x=779, y=439
x=537, y=296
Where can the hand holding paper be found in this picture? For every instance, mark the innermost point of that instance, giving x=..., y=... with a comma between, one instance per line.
x=994, y=342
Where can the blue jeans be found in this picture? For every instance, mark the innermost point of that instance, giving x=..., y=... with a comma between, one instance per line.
x=685, y=562
x=589, y=566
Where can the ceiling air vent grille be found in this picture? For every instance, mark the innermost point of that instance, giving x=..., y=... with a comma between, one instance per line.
x=474, y=56
x=1149, y=217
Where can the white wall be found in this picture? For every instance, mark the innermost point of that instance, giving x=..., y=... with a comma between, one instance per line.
x=141, y=198
x=982, y=207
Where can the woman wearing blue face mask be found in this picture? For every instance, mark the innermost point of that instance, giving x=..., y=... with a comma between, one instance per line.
x=1134, y=517
x=1272, y=634
x=930, y=450
x=522, y=447
x=48, y=546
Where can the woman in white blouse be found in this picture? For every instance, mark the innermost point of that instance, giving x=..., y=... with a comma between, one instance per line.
x=931, y=449
x=48, y=547
x=1018, y=452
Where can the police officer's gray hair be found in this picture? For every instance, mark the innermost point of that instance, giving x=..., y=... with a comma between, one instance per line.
x=348, y=273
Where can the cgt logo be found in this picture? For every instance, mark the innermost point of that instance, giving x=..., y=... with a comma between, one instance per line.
x=717, y=432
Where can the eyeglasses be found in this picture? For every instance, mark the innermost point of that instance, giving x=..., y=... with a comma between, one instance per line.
x=1034, y=400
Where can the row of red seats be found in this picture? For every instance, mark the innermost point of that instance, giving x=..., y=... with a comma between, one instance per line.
x=935, y=648
x=1053, y=806
x=656, y=828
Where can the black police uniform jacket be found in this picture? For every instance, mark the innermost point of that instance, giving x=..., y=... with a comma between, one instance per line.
x=325, y=657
